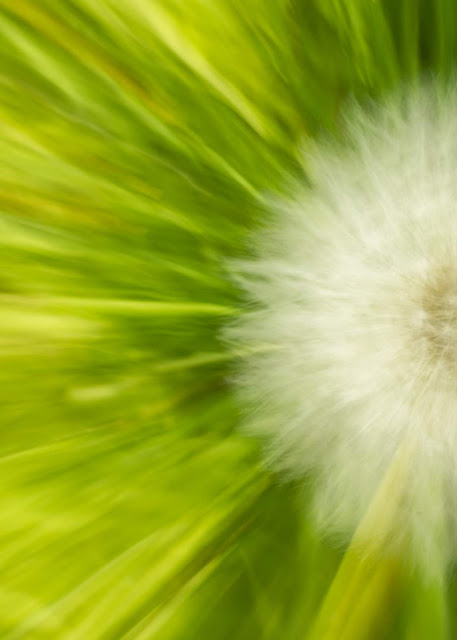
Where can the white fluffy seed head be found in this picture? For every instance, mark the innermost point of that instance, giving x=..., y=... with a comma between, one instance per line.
x=352, y=322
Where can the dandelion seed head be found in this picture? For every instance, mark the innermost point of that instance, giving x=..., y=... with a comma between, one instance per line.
x=352, y=321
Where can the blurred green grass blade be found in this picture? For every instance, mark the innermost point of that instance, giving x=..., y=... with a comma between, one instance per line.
x=117, y=306
x=428, y=614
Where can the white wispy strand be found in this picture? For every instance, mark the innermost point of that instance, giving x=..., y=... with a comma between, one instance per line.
x=352, y=322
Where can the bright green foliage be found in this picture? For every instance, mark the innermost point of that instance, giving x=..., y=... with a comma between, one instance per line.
x=140, y=143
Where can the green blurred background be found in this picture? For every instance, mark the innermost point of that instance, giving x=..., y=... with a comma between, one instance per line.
x=141, y=142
